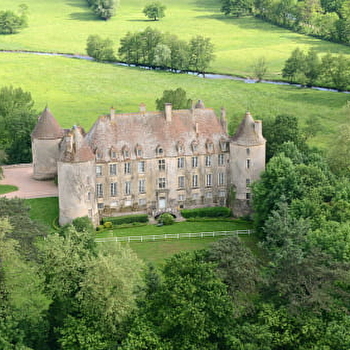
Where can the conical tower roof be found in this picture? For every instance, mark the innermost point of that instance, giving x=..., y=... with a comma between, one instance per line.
x=248, y=134
x=47, y=127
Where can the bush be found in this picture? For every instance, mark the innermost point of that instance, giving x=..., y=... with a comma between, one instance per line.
x=100, y=228
x=128, y=219
x=211, y=212
x=108, y=224
x=83, y=224
x=166, y=219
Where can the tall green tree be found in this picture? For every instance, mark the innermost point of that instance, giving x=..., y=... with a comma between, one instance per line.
x=105, y=9
x=178, y=99
x=201, y=53
x=294, y=64
x=154, y=10
x=100, y=49
x=236, y=8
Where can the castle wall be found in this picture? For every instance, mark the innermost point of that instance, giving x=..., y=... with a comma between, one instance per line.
x=45, y=157
x=76, y=189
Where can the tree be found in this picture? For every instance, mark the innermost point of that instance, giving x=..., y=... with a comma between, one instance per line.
x=177, y=98
x=17, y=120
x=236, y=8
x=100, y=49
x=154, y=10
x=162, y=56
x=201, y=53
x=260, y=68
x=104, y=9
x=10, y=22
x=294, y=64
x=312, y=68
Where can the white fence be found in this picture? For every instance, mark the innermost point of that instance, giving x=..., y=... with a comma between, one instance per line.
x=171, y=236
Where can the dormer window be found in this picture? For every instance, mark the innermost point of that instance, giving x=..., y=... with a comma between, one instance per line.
x=194, y=146
x=126, y=152
x=113, y=153
x=223, y=145
x=138, y=151
x=180, y=147
x=98, y=154
x=210, y=146
x=159, y=151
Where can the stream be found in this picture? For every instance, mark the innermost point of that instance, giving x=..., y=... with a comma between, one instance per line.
x=206, y=76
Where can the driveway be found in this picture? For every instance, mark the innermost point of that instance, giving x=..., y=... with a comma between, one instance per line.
x=21, y=176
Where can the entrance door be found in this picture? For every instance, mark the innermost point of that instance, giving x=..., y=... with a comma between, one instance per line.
x=162, y=203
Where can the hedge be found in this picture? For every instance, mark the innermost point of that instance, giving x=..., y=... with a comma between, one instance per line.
x=208, y=212
x=128, y=219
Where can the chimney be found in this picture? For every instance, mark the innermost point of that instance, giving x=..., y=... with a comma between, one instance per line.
x=223, y=119
x=112, y=113
x=258, y=127
x=168, y=111
x=142, y=108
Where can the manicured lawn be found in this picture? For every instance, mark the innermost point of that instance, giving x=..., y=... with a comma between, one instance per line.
x=77, y=92
x=64, y=25
x=179, y=227
x=44, y=210
x=7, y=189
x=157, y=252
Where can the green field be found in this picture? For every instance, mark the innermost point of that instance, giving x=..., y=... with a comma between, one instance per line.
x=64, y=25
x=77, y=92
x=44, y=210
x=7, y=189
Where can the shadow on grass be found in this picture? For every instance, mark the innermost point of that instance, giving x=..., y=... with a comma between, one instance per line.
x=83, y=16
x=143, y=20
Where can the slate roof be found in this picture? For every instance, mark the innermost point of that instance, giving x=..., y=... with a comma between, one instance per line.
x=248, y=132
x=150, y=130
x=47, y=127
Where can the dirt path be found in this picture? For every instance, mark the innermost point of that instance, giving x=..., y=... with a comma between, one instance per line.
x=21, y=176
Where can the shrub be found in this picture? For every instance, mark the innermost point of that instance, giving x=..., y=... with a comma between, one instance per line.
x=166, y=219
x=100, y=228
x=128, y=219
x=107, y=224
x=83, y=224
x=211, y=212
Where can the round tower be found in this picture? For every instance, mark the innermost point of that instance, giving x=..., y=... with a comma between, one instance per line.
x=46, y=137
x=76, y=179
x=247, y=161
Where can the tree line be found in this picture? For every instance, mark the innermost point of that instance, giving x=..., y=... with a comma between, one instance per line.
x=155, y=49
x=309, y=69
x=326, y=19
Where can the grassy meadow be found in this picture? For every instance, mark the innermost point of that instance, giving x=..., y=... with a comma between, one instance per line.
x=7, y=189
x=78, y=91
x=64, y=25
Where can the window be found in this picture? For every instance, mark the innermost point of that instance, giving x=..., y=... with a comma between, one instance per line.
x=221, y=159
x=207, y=160
x=142, y=186
x=100, y=205
x=180, y=162
x=181, y=181
x=180, y=147
x=127, y=187
x=89, y=196
x=222, y=193
x=138, y=151
x=161, y=164
x=194, y=180
x=127, y=168
x=248, y=151
x=221, y=179
x=113, y=189
x=208, y=195
x=142, y=201
x=98, y=155
x=209, y=180
x=181, y=198
x=210, y=147
x=194, y=162
x=247, y=163
x=194, y=146
x=141, y=167
x=113, y=154
x=99, y=190
x=247, y=182
x=223, y=145
x=247, y=196
x=126, y=153
x=98, y=170
x=161, y=182
x=112, y=169
x=195, y=195
x=159, y=151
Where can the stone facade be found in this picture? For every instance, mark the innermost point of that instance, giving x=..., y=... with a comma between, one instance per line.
x=149, y=162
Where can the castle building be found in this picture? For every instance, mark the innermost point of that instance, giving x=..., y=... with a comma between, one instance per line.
x=149, y=162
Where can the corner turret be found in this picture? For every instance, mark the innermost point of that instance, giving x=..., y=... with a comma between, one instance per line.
x=247, y=152
x=46, y=137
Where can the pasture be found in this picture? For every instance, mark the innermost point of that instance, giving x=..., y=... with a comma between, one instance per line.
x=64, y=25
